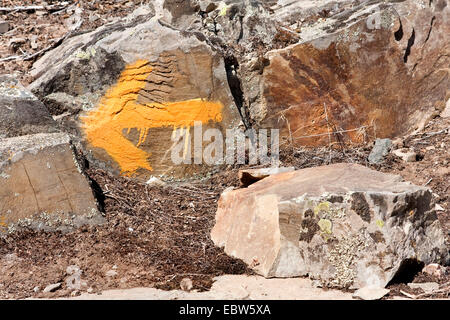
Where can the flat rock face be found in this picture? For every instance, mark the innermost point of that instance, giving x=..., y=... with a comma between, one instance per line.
x=374, y=70
x=343, y=224
x=41, y=185
x=141, y=82
x=230, y=287
x=20, y=111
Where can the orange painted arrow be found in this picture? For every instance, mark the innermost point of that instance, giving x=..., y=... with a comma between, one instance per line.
x=119, y=110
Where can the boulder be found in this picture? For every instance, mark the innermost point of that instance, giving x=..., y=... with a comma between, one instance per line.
x=375, y=69
x=343, y=224
x=42, y=186
x=21, y=112
x=141, y=83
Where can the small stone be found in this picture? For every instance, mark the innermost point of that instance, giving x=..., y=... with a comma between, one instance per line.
x=41, y=13
x=437, y=207
x=427, y=287
x=434, y=269
x=186, y=284
x=33, y=42
x=4, y=26
x=371, y=293
x=74, y=293
x=73, y=269
x=445, y=113
x=130, y=229
x=405, y=154
x=53, y=287
x=111, y=273
x=74, y=282
x=90, y=290
x=380, y=150
x=153, y=181
x=36, y=289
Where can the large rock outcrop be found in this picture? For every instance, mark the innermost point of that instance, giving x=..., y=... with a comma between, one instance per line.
x=41, y=182
x=378, y=69
x=141, y=81
x=343, y=224
x=322, y=72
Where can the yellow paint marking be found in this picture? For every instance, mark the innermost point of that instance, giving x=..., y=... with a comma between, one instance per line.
x=118, y=110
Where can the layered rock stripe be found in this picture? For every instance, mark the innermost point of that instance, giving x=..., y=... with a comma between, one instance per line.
x=119, y=110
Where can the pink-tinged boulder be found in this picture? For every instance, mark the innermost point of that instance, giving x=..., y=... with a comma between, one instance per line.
x=343, y=224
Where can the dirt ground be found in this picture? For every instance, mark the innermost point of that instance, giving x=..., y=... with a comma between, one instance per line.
x=32, y=32
x=156, y=236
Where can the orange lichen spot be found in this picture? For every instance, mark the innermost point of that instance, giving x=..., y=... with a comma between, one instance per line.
x=119, y=110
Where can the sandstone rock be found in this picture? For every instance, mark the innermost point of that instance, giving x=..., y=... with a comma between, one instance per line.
x=74, y=282
x=434, y=269
x=427, y=287
x=230, y=287
x=144, y=84
x=186, y=284
x=21, y=112
x=41, y=186
x=370, y=293
x=405, y=154
x=111, y=273
x=52, y=287
x=153, y=181
x=249, y=176
x=338, y=79
x=380, y=150
x=343, y=224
